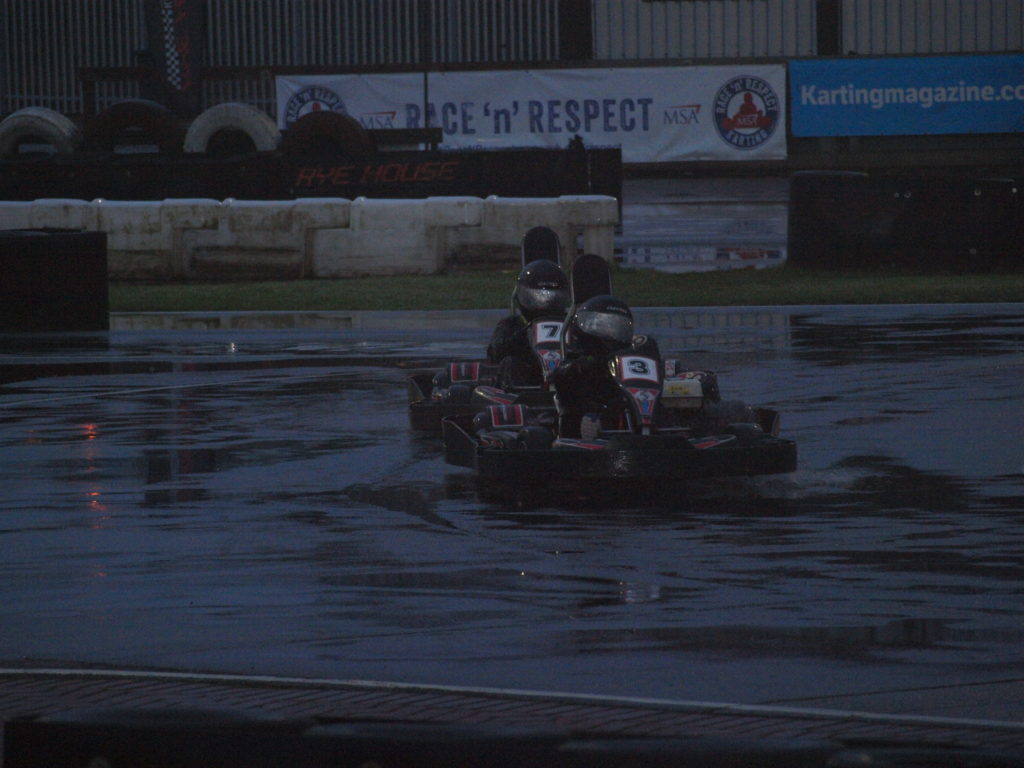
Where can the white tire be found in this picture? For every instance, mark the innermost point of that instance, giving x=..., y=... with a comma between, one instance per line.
x=233, y=116
x=38, y=125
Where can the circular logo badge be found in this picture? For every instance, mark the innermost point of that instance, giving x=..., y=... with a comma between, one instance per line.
x=315, y=98
x=746, y=112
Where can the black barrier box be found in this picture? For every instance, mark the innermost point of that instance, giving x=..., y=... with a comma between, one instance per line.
x=850, y=219
x=53, y=281
x=273, y=176
x=211, y=738
x=155, y=738
x=199, y=738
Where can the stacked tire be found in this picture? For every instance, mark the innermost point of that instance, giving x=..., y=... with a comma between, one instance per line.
x=232, y=128
x=45, y=130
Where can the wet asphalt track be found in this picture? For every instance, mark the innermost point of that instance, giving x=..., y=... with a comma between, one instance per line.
x=252, y=501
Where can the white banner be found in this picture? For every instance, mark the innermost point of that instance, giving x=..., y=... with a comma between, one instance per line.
x=658, y=114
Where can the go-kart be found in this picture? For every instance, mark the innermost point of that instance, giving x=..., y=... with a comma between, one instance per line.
x=665, y=424
x=464, y=388
x=673, y=429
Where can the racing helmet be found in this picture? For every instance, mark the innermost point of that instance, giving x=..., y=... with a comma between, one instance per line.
x=541, y=289
x=602, y=324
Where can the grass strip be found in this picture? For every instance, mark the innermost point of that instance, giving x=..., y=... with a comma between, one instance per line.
x=638, y=287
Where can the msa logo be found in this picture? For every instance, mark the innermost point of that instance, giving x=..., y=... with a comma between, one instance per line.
x=682, y=114
x=372, y=120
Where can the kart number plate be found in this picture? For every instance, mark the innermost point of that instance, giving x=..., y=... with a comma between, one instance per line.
x=633, y=368
x=547, y=332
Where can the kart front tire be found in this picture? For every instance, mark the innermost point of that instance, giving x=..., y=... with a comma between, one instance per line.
x=534, y=438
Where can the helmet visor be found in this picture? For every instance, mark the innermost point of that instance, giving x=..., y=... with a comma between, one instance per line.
x=607, y=326
x=543, y=300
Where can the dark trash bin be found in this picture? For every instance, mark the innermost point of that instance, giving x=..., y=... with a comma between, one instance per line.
x=53, y=281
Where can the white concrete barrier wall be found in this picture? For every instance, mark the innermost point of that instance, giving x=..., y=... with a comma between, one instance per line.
x=318, y=237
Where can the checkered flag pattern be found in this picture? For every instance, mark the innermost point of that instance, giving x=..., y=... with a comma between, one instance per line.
x=171, y=55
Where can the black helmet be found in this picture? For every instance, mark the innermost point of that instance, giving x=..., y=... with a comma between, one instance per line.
x=602, y=324
x=541, y=289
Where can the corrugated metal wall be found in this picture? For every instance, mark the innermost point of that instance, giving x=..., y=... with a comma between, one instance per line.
x=379, y=32
x=311, y=32
x=44, y=42
x=356, y=33
x=932, y=26
x=470, y=31
x=703, y=29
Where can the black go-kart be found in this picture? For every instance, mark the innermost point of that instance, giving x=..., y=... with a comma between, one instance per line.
x=464, y=388
x=674, y=429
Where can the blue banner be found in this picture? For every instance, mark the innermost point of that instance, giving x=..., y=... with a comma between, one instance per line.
x=907, y=96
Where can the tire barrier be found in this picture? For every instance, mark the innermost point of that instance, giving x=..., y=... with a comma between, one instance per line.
x=38, y=125
x=959, y=223
x=232, y=128
x=198, y=239
x=235, y=150
x=54, y=281
x=326, y=134
x=135, y=122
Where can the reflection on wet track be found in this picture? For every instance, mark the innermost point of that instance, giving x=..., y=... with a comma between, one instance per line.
x=255, y=502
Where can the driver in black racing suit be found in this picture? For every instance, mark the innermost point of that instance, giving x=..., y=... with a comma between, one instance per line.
x=542, y=290
x=583, y=384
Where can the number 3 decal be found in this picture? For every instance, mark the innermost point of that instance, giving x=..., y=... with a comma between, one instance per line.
x=639, y=368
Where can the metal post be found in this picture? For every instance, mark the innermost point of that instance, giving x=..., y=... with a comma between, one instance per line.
x=575, y=30
x=426, y=53
x=829, y=27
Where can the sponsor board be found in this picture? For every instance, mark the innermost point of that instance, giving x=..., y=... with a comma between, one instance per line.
x=654, y=114
x=339, y=177
x=700, y=258
x=907, y=96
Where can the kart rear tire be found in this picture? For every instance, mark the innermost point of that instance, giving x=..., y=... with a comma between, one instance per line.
x=38, y=125
x=746, y=433
x=534, y=438
x=716, y=417
x=227, y=128
x=457, y=393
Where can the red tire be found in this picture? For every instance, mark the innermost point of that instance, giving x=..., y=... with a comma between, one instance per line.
x=326, y=134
